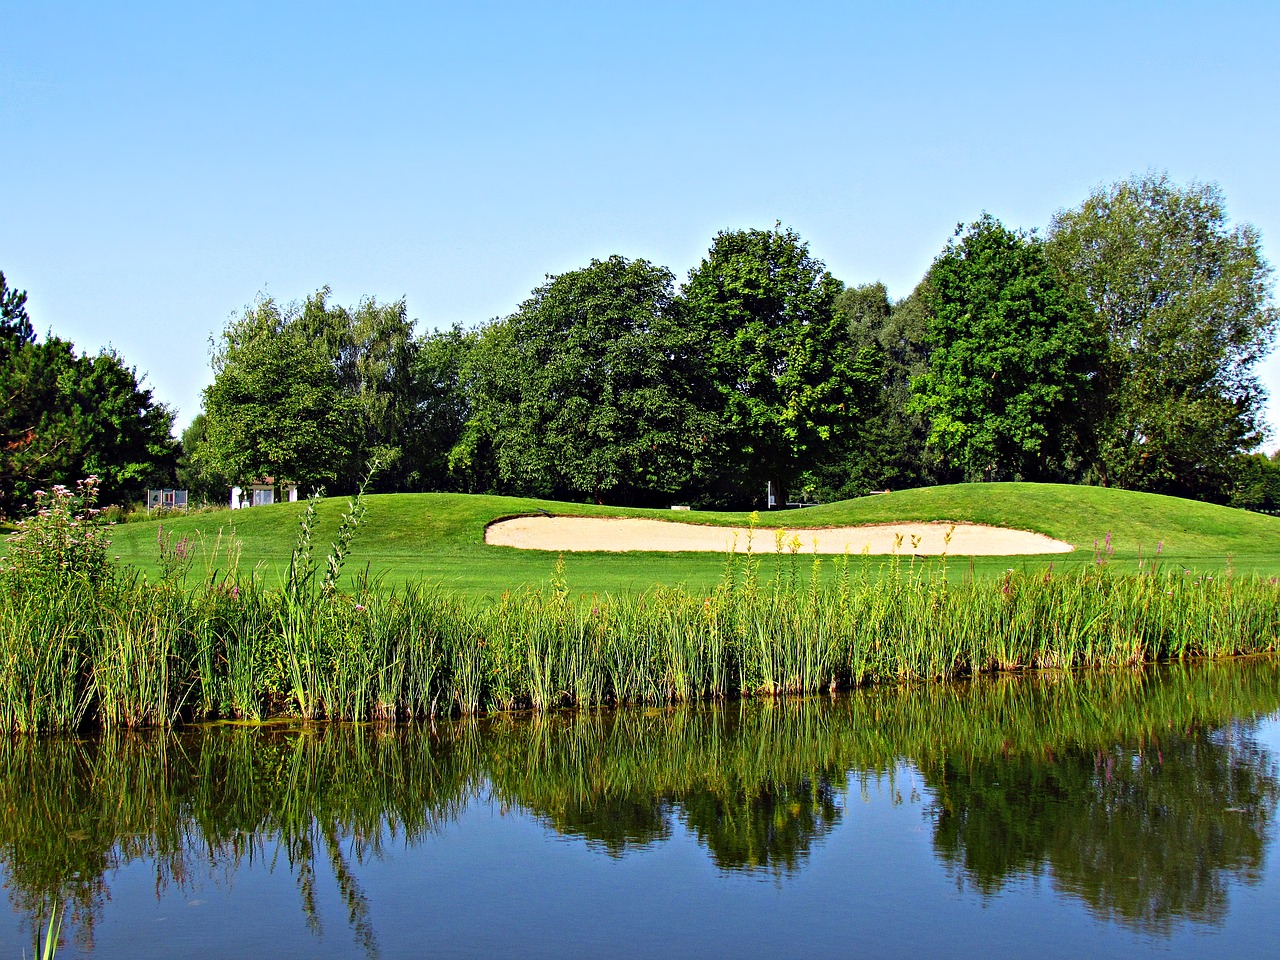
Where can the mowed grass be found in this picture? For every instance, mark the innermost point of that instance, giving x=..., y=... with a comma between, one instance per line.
x=439, y=538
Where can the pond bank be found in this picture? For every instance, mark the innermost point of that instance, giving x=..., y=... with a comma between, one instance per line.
x=127, y=653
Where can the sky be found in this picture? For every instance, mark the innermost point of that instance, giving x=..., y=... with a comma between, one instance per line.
x=165, y=164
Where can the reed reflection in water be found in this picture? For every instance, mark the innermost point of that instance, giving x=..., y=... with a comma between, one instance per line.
x=1141, y=794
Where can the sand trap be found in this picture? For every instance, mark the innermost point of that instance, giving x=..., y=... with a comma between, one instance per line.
x=619, y=535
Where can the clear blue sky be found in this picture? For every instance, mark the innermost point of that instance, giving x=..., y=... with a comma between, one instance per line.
x=164, y=163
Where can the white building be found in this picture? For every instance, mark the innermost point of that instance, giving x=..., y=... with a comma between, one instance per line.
x=262, y=493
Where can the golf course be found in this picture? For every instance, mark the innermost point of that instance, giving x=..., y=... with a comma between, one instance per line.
x=439, y=539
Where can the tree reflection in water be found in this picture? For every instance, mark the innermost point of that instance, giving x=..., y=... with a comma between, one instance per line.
x=1140, y=793
x=1146, y=834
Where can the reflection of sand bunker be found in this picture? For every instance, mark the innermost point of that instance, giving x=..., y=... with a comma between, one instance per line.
x=618, y=534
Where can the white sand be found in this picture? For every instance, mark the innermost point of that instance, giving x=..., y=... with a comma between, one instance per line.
x=618, y=535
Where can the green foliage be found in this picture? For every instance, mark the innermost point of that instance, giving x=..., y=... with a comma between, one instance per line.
x=1011, y=359
x=69, y=416
x=884, y=447
x=65, y=415
x=593, y=388
x=1186, y=303
x=194, y=473
x=1255, y=482
x=15, y=325
x=439, y=410
x=372, y=349
x=54, y=581
x=312, y=391
x=124, y=437
x=276, y=407
x=765, y=309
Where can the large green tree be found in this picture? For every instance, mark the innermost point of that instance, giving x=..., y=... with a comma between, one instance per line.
x=317, y=376
x=275, y=407
x=592, y=388
x=765, y=309
x=1185, y=300
x=126, y=437
x=1012, y=357
x=65, y=416
x=371, y=346
x=884, y=445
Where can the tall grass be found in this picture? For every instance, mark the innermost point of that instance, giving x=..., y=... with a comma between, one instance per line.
x=121, y=651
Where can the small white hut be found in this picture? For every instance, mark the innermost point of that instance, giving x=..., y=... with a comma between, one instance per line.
x=263, y=492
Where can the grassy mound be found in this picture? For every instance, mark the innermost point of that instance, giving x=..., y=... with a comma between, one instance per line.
x=439, y=538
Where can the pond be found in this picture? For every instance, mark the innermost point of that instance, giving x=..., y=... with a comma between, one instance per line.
x=1100, y=814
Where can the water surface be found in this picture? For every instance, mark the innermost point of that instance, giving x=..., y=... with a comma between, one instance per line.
x=1103, y=814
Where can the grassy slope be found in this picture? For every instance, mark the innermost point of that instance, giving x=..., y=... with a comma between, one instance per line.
x=440, y=537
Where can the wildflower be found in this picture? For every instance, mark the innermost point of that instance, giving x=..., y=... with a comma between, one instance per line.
x=1159, y=547
x=360, y=608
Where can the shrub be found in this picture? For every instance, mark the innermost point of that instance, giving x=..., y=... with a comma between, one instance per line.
x=63, y=542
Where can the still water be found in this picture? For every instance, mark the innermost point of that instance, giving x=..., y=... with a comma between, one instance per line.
x=1105, y=814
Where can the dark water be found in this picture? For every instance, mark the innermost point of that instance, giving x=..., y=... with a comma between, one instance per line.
x=1123, y=814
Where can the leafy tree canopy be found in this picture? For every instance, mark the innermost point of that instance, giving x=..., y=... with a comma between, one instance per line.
x=592, y=388
x=775, y=349
x=1186, y=304
x=1011, y=357
x=884, y=445
x=66, y=416
x=275, y=407
x=15, y=325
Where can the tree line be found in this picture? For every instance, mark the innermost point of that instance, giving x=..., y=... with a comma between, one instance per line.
x=1117, y=348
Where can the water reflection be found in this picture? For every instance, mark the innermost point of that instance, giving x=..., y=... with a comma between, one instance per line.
x=1145, y=833
x=1141, y=794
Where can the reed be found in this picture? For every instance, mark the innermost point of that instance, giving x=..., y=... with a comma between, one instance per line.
x=90, y=644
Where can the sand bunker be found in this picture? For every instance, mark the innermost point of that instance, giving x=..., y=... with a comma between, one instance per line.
x=619, y=535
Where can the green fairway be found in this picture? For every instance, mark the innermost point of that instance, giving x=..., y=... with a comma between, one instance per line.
x=439, y=538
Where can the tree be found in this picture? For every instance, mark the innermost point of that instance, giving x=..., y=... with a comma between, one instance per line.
x=592, y=388
x=1186, y=305
x=15, y=325
x=66, y=416
x=766, y=311
x=1011, y=359
x=1255, y=482
x=125, y=438
x=884, y=445
x=438, y=408
x=194, y=474
x=275, y=407
x=371, y=347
